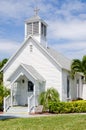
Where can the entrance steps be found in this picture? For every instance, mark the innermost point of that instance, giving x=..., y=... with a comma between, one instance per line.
x=17, y=110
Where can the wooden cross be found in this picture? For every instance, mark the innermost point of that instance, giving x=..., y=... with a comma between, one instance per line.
x=36, y=11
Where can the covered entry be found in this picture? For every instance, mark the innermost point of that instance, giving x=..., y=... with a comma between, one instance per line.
x=21, y=90
x=26, y=84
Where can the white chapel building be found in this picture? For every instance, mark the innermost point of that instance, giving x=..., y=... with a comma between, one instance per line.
x=35, y=67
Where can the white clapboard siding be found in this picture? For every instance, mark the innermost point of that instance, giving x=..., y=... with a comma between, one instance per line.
x=40, y=62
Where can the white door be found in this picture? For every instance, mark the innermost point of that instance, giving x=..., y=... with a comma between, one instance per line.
x=23, y=91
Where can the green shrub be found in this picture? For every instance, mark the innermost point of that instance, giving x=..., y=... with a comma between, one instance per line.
x=3, y=93
x=67, y=107
x=51, y=95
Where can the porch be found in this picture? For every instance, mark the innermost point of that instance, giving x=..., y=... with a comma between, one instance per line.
x=25, y=84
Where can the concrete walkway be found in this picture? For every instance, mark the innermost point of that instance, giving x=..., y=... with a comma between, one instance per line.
x=22, y=115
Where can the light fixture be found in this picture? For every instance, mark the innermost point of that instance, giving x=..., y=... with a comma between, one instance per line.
x=23, y=81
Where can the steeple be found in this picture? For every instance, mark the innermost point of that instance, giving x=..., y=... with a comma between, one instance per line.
x=37, y=28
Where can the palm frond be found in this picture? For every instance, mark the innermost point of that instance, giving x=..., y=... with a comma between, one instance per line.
x=76, y=66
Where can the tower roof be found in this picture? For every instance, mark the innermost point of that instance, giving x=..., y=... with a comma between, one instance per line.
x=35, y=18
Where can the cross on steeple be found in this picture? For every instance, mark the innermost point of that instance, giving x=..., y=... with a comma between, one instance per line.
x=36, y=10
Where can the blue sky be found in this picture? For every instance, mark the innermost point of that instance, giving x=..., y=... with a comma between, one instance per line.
x=66, y=21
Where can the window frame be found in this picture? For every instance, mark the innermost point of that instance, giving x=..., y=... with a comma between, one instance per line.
x=68, y=87
x=30, y=88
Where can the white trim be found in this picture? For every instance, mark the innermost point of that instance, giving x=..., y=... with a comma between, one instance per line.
x=45, y=51
x=16, y=78
x=28, y=72
x=21, y=74
x=24, y=43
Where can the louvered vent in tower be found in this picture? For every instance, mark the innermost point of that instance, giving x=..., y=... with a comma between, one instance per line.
x=29, y=28
x=33, y=28
x=36, y=28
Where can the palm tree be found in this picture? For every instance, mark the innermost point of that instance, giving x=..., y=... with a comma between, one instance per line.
x=78, y=66
x=51, y=95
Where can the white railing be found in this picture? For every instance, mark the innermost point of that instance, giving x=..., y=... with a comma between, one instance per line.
x=31, y=103
x=7, y=102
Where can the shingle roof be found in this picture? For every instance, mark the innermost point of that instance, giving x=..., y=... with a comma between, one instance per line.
x=34, y=18
x=30, y=70
x=64, y=62
x=60, y=58
x=33, y=71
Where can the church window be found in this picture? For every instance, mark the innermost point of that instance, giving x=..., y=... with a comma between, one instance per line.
x=43, y=29
x=31, y=48
x=77, y=87
x=30, y=86
x=68, y=87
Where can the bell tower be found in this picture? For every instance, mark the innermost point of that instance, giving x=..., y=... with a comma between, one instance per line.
x=37, y=28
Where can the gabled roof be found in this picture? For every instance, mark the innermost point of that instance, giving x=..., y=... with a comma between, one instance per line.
x=30, y=70
x=58, y=58
x=33, y=71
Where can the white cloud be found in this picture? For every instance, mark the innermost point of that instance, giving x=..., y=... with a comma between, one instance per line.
x=72, y=49
x=72, y=9
x=7, y=46
x=66, y=21
x=15, y=9
x=72, y=30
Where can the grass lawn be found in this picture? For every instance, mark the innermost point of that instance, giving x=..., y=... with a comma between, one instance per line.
x=58, y=122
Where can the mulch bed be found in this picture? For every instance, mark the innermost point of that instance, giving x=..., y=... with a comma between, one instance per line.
x=41, y=113
x=1, y=111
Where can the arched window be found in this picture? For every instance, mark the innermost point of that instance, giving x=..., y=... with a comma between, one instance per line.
x=68, y=87
x=43, y=30
x=30, y=86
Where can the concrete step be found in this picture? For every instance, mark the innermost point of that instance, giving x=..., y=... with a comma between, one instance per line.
x=17, y=110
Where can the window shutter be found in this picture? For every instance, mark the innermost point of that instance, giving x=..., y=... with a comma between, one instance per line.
x=29, y=28
x=36, y=28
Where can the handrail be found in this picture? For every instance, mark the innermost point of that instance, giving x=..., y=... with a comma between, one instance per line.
x=7, y=102
x=31, y=103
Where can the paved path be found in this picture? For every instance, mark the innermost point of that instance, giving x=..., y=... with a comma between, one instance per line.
x=20, y=115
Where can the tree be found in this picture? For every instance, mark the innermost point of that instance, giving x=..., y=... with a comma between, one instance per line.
x=2, y=63
x=78, y=66
x=3, y=93
x=51, y=95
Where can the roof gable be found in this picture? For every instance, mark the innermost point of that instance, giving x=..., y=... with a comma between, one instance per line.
x=16, y=53
x=60, y=58
x=57, y=58
x=26, y=70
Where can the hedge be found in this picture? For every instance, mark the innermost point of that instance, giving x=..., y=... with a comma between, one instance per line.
x=67, y=107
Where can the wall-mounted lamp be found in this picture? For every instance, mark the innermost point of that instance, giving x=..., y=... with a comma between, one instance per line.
x=23, y=81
